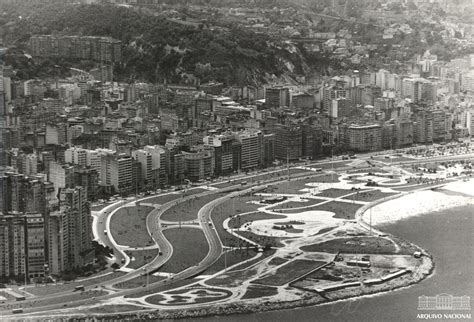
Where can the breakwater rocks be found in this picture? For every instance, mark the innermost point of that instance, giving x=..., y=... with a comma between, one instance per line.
x=424, y=269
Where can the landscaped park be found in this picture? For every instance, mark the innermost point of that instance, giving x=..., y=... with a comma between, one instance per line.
x=298, y=240
x=283, y=241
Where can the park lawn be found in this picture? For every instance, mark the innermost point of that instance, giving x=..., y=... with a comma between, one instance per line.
x=299, y=204
x=223, y=211
x=330, y=165
x=370, y=195
x=256, y=291
x=334, y=193
x=295, y=186
x=261, y=240
x=139, y=281
x=267, y=253
x=189, y=248
x=202, y=294
x=231, y=258
x=188, y=210
x=343, y=210
x=238, y=221
x=356, y=245
x=289, y=272
x=169, y=286
x=141, y=257
x=128, y=226
x=276, y=261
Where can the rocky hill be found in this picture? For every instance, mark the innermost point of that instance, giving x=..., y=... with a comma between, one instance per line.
x=156, y=48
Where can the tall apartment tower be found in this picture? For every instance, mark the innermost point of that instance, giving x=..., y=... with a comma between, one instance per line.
x=76, y=229
x=12, y=245
x=35, y=245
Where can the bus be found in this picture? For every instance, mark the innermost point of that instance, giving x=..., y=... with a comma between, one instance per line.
x=16, y=311
x=79, y=288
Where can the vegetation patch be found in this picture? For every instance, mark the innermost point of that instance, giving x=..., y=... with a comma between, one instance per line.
x=370, y=195
x=325, y=230
x=225, y=210
x=291, y=222
x=139, y=281
x=265, y=254
x=231, y=258
x=275, y=261
x=189, y=248
x=190, y=296
x=287, y=228
x=264, y=241
x=334, y=193
x=169, y=286
x=295, y=186
x=128, y=226
x=188, y=210
x=336, y=273
x=300, y=205
x=141, y=257
x=289, y=272
x=255, y=292
x=343, y=210
x=238, y=221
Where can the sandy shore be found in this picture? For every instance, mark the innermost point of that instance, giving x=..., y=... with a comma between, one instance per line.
x=422, y=202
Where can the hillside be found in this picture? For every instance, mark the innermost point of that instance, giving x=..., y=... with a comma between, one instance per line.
x=157, y=49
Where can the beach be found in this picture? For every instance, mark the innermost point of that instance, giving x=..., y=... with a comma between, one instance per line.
x=451, y=195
